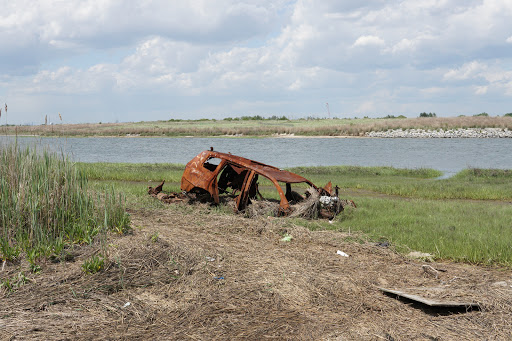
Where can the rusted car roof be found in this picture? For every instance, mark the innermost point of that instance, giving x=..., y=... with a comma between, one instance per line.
x=261, y=168
x=268, y=171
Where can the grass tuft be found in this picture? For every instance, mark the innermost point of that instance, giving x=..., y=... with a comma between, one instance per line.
x=46, y=203
x=94, y=264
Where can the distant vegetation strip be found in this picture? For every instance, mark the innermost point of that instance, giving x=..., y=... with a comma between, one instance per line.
x=46, y=205
x=132, y=171
x=347, y=171
x=258, y=126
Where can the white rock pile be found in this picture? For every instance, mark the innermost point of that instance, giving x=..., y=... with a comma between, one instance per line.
x=441, y=133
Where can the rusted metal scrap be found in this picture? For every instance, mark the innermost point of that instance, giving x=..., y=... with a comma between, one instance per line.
x=155, y=191
x=212, y=173
x=167, y=198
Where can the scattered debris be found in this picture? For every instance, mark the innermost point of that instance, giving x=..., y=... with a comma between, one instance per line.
x=127, y=304
x=437, y=303
x=286, y=238
x=503, y=284
x=167, y=198
x=427, y=257
x=341, y=253
x=383, y=244
x=430, y=271
x=155, y=191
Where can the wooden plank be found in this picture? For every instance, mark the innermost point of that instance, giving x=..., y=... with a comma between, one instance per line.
x=431, y=302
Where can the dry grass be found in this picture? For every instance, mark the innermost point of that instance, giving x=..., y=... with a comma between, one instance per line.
x=262, y=208
x=325, y=127
x=226, y=277
x=310, y=207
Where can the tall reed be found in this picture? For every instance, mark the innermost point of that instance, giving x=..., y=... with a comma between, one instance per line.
x=45, y=203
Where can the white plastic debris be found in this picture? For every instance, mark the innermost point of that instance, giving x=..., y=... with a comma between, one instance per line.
x=341, y=253
x=210, y=259
x=327, y=200
x=427, y=257
x=286, y=238
x=127, y=304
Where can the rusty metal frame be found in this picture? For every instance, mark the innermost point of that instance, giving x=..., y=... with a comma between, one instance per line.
x=198, y=178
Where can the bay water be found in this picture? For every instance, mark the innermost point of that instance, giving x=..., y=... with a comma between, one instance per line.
x=447, y=155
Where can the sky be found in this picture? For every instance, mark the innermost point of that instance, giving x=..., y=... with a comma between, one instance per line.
x=146, y=60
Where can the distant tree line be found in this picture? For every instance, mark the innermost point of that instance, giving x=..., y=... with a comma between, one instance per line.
x=284, y=118
x=484, y=114
x=430, y=114
x=257, y=118
x=242, y=118
x=392, y=116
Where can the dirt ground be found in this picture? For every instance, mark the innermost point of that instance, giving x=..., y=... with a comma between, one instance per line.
x=189, y=273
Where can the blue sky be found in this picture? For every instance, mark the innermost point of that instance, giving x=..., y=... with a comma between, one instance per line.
x=123, y=61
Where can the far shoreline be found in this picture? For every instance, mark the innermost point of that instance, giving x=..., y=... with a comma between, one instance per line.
x=290, y=136
x=424, y=127
x=191, y=136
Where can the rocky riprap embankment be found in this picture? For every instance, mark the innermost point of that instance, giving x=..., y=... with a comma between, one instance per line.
x=441, y=133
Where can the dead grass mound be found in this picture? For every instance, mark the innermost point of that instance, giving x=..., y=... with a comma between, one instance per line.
x=262, y=208
x=308, y=208
x=201, y=275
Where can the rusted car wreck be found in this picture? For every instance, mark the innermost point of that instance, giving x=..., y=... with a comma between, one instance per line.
x=212, y=173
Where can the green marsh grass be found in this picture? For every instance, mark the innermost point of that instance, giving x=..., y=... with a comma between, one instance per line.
x=464, y=218
x=94, y=264
x=133, y=180
x=415, y=183
x=132, y=171
x=46, y=204
x=11, y=284
x=476, y=232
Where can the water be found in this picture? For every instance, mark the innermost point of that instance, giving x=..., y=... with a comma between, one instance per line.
x=447, y=155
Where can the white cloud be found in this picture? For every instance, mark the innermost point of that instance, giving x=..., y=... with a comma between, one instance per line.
x=66, y=80
x=404, y=45
x=481, y=90
x=466, y=71
x=51, y=28
x=399, y=53
x=485, y=77
x=368, y=40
